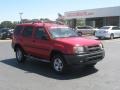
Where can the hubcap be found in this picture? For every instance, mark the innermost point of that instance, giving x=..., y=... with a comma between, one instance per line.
x=19, y=55
x=58, y=65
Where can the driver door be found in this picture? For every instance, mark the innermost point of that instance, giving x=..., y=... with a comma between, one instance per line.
x=41, y=43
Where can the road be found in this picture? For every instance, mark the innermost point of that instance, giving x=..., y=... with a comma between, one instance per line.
x=34, y=75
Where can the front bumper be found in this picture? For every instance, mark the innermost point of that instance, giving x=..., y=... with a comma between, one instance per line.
x=84, y=59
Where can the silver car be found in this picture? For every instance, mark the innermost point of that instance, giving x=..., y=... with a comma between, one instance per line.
x=83, y=30
x=108, y=32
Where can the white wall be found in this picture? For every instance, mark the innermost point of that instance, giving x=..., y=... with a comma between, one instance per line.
x=101, y=12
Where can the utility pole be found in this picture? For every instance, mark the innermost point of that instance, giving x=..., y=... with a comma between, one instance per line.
x=20, y=16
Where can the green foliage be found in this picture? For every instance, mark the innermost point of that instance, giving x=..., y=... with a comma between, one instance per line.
x=8, y=24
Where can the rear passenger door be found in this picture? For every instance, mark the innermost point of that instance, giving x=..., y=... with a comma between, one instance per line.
x=26, y=39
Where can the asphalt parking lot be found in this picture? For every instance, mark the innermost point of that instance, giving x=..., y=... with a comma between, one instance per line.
x=34, y=75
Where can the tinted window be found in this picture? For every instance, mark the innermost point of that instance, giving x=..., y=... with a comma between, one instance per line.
x=18, y=30
x=81, y=27
x=115, y=28
x=4, y=30
x=105, y=28
x=40, y=33
x=27, y=31
x=89, y=28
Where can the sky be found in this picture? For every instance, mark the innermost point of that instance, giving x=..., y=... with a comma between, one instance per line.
x=36, y=9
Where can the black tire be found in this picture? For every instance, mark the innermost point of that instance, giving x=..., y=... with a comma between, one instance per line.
x=94, y=33
x=91, y=65
x=112, y=36
x=80, y=33
x=99, y=38
x=20, y=55
x=58, y=63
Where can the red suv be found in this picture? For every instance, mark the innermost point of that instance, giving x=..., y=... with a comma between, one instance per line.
x=55, y=44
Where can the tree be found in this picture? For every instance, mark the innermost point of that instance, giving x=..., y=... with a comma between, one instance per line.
x=14, y=24
x=45, y=19
x=6, y=24
x=60, y=19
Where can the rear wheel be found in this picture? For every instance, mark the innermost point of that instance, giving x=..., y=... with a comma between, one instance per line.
x=58, y=63
x=80, y=33
x=112, y=36
x=20, y=55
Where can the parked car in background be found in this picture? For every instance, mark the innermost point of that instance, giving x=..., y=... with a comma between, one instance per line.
x=5, y=33
x=11, y=31
x=83, y=30
x=108, y=32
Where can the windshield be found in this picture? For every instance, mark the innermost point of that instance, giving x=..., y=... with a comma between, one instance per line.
x=63, y=32
x=104, y=27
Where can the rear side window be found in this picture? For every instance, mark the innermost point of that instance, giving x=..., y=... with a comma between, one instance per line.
x=115, y=28
x=27, y=32
x=81, y=27
x=18, y=30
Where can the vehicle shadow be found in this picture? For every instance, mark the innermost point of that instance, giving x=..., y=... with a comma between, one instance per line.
x=44, y=69
x=107, y=39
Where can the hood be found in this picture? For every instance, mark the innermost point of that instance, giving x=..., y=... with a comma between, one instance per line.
x=78, y=41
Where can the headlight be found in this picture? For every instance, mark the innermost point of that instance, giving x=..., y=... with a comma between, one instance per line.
x=78, y=49
x=101, y=46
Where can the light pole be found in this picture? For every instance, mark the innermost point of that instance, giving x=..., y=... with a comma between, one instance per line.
x=20, y=16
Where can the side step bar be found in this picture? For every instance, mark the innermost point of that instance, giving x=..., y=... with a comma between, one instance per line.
x=42, y=60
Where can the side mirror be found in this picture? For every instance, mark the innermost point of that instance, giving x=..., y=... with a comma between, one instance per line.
x=45, y=37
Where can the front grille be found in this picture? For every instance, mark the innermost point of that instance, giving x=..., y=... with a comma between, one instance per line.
x=95, y=56
x=93, y=48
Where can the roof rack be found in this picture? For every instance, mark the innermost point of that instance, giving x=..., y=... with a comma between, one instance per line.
x=52, y=22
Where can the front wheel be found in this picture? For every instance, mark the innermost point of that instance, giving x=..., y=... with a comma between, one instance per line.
x=58, y=63
x=20, y=55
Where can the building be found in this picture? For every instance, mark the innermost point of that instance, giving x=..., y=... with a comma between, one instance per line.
x=95, y=17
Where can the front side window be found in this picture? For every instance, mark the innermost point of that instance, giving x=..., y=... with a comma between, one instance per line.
x=62, y=33
x=40, y=33
x=27, y=31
